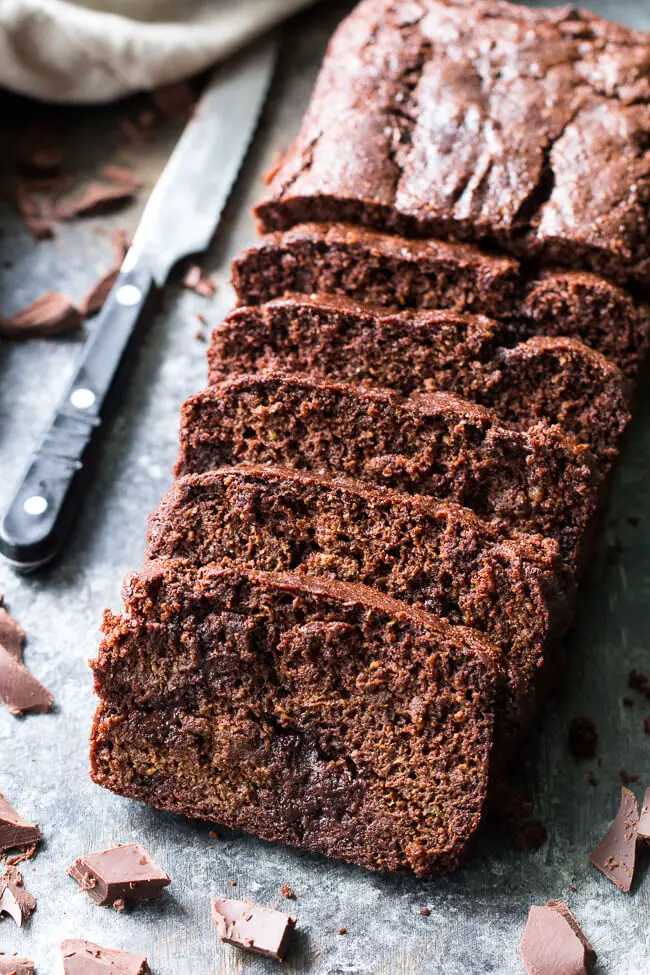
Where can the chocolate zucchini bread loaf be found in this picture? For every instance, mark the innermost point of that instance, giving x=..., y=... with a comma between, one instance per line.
x=437, y=445
x=554, y=379
x=433, y=554
x=390, y=271
x=484, y=121
x=312, y=712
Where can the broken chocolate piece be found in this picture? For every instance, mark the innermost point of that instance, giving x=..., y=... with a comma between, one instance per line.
x=16, y=966
x=85, y=958
x=643, y=828
x=258, y=929
x=554, y=943
x=583, y=737
x=124, y=873
x=616, y=853
x=97, y=198
x=51, y=314
x=20, y=692
x=14, y=830
x=12, y=635
x=196, y=281
x=14, y=899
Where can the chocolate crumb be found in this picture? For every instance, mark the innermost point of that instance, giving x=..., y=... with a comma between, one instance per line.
x=591, y=779
x=629, y=778
x=199, y=335
x=196, y=281
x=638, y=681
x=425, y=911
x=343, y=930
x=583, y=737
x=288, y=893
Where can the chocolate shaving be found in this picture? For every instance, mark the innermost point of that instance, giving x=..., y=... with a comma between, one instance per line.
x=51, y=314
x=97, y=198
x=14, y=830
x=26, y=854
x=258, y=929
x=615, y=855
x=554, y=942
x=196, y=281
x=20, y=692
x=85, y=958
x=14, y=899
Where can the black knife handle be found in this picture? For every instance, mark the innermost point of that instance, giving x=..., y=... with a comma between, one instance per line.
x=37, y=521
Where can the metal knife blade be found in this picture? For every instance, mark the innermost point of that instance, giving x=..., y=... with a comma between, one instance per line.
x=184, y=208
x=180, y=218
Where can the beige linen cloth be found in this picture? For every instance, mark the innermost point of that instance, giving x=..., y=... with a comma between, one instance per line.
x=96, y=50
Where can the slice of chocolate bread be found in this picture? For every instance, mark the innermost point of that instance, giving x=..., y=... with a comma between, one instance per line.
x=480, y=120
x=437, y=445
x=433, y=554
x=559, y=380
x=390, y=271
x=302, y=710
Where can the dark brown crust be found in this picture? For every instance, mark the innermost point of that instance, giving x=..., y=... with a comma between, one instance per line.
x=480, y=120
x=388, y=271
x=558, y=380
x=275, y=703
x=437, y=445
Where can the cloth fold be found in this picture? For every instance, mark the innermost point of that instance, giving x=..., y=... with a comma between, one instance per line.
x=98, y=50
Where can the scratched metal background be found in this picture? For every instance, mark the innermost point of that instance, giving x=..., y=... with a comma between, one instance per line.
x=477, y=916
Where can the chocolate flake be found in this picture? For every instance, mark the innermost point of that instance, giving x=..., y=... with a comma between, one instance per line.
x=20, y=692
x=51, y=314
x=264, y=931
x=119, y=876
x=643, y=829
x=583, y=737
x=616, y=853
x=85, y=958
x=554, y=942
x=196, y=281
x=16, y=966
x=97, y=198
x=14, y=830
x=14, y=899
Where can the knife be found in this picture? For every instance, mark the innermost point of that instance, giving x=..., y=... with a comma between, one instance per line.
x=180, y=218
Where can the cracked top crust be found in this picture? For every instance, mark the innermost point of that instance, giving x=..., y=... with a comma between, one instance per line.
x=481, y=121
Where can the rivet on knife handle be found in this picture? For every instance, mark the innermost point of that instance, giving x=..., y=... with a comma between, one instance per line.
x=39, y=516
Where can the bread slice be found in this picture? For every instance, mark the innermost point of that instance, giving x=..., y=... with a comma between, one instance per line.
x=438, y=445
x=395, y=272
x=302, y=710
x=431, y=554
x=559, y=380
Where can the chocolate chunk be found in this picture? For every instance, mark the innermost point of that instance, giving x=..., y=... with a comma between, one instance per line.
x=12, y=635
x=52, y=314
x=196, y=281
x=85, y=958
x=616, y=853
x=258, y=929
x=14, y=899
x=14, y=830
x=554, y=943
x=124, y=873
x=20, y=692
x=97, y=198
x=583, y=737
x=643, y=829
x=16, y=966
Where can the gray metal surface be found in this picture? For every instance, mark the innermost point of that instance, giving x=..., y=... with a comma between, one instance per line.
x=477, y=916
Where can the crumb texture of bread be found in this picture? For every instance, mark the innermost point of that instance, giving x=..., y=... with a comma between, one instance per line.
x=307, y=711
